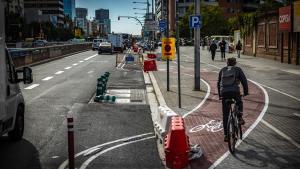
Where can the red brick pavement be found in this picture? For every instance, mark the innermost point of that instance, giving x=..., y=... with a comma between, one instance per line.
x=211, y=138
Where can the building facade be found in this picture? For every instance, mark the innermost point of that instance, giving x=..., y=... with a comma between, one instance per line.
x=81, y=12
x=69, y=9
x=102, y=17
x=15, y=6
x=44, y=11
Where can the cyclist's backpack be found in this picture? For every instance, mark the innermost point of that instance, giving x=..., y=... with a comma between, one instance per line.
x=228, y=77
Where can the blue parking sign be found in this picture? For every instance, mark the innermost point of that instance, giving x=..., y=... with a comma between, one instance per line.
x=195, y=21
x=162, y=25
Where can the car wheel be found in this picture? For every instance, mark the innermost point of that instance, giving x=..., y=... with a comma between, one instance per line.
x=17, y=133
x=93, y=49
x=99, y=52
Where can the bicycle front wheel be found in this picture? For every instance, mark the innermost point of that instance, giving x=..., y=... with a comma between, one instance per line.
x=231, y=135
x=240, y=131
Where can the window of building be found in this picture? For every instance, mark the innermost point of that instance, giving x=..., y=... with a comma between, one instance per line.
x=273, y=35
x=261, y=35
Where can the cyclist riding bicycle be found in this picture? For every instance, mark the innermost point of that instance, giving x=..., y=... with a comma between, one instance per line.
x=228, y=88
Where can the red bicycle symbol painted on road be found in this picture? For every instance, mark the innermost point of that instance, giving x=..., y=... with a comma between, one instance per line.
x=211, y=126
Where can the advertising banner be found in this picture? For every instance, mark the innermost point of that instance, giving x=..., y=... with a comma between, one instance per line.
x=285, y=21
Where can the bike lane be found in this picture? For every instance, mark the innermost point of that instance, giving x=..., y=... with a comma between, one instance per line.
x=204, y=125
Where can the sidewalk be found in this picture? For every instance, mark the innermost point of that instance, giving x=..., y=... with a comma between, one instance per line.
x=204, y=124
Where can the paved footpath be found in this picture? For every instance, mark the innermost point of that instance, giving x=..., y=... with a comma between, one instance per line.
x=204, y=126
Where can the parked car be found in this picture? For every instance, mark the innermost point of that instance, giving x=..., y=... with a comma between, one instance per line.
x=96, y=43
x=40, y=43
x=11, y=99
x=105, y=47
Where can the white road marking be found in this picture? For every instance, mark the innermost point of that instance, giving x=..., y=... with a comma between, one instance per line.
x=47, y=78
x=281, y=133
x=293, y=71
x=297, y=114
x=75, y=64
x=90, y=57
x=68, y=68
x=298, y=99
x=88, y=161
x=32, y=86
x=65, y=163
x=81, y=61
x=59, y=72
x=90, y=72
x=54, y=157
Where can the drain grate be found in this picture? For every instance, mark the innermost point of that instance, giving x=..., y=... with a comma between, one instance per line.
x=127, y=96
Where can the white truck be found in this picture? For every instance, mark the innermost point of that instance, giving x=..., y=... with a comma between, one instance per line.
x=12, y=106
x=117, y=42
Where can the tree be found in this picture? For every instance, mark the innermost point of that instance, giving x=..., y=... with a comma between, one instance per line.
x=213, y=21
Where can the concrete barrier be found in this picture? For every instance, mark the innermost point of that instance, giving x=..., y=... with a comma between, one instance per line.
x=22, y=56
x=162, y=121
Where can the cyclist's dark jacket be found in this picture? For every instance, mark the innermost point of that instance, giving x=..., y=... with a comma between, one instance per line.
x=240, y=77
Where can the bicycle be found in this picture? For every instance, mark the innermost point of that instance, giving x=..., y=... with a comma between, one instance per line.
x=234, y=128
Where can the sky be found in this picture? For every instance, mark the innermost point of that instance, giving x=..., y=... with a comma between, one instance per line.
x=117, y=8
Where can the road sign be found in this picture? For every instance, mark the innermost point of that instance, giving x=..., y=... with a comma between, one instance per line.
x=168, y=48
x=151, y=26
x=162, y=25
x=195, y=21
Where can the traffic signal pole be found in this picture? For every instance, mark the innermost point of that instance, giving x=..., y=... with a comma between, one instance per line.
x=197, y=50
x=178, y=56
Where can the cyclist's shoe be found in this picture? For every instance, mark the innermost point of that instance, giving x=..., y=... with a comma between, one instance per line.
x=242, y=121
x=226, y=138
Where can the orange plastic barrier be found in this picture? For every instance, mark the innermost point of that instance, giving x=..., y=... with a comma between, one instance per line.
x=150, y=65
x=151, y=55
x=177, y=145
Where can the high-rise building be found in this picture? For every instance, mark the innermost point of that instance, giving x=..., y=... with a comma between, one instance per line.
x=69, y=8
x=46, y=10
x=15, y=6
x=102, y=16
x=81, y=12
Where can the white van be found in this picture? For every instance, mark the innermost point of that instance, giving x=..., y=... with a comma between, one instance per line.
x=12, y=105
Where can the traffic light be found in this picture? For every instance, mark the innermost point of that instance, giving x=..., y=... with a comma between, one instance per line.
x=118, y=17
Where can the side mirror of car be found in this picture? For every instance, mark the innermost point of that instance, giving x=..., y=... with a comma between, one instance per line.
x=27, y=75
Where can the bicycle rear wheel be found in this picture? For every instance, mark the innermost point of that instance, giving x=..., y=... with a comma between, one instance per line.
x=231, y=133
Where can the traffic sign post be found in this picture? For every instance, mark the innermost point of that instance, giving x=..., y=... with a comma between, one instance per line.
x=195, y=22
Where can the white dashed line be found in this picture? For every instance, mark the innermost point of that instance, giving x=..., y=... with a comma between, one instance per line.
x=81, y=61
x=90, y=72
x=68, y=68
x=47, y=78
x=90, y=57
x=32, y=86
x=297, y=114
x=75, y=64
x=59, y=72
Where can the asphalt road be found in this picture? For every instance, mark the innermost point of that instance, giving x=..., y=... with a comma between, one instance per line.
x=67, y=85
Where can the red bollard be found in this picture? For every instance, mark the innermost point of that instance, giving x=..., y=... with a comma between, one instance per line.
x=150, y=65
x=71, y=142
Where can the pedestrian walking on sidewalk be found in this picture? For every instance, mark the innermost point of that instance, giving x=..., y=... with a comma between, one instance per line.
x=222, y=45
x=228, y=88
x=213, y=47
x=238, y=48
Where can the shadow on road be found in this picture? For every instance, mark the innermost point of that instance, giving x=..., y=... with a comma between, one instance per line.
x=18, y=155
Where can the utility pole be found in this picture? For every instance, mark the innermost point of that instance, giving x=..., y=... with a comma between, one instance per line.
x=178, y=55
x=168, y=61
x=197, y=50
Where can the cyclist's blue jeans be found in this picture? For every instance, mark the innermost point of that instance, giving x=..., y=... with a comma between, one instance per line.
x=226, y=108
